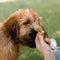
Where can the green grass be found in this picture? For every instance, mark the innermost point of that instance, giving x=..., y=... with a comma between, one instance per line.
x=48, y=9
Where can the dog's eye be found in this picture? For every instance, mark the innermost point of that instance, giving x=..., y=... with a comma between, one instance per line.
x=26, y=23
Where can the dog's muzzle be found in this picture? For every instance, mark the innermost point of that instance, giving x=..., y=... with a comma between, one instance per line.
x=30, y=41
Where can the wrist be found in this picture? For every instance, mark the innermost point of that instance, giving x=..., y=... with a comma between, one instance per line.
x=49, y=55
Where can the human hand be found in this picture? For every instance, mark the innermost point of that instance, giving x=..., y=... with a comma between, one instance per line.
x=43, y=45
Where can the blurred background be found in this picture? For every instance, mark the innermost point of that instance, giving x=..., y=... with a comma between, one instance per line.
x=48, y=9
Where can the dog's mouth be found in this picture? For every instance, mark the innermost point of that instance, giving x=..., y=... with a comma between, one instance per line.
x=30, y=41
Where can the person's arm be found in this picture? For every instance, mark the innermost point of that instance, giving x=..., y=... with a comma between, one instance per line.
x=49, y=55
x=43, y=47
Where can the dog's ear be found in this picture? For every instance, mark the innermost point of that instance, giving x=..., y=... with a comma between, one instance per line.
x=12, y=27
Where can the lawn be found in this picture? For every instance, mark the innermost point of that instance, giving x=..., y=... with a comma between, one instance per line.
x=48, y=9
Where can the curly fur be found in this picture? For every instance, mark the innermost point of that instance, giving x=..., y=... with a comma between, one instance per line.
x=12, y=33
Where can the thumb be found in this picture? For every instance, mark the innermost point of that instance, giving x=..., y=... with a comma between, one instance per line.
x=37, y=43
x=40, y=36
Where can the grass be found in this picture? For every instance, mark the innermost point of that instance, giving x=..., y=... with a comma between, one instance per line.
x=48, y=9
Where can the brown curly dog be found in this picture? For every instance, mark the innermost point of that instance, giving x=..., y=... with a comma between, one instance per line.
x=17, y=30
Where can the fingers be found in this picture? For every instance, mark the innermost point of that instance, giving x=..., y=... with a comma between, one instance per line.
x=39, y=37
x=41, y=33
x=37, y=43
x=47, y=41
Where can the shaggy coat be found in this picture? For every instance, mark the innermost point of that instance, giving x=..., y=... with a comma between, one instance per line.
x=16, y=31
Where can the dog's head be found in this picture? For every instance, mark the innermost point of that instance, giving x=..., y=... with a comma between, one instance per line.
x=19, y=26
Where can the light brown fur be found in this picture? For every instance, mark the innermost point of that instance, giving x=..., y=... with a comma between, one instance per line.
x=14, y=31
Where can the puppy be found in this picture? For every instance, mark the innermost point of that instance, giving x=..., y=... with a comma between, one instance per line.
x=18, y=30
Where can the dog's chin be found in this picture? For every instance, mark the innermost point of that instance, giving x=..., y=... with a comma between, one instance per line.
x=30, y=40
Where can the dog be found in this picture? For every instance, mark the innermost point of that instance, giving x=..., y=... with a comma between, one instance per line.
x=16, y=31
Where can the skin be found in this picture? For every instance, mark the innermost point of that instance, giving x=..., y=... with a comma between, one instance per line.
x=44, y=47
